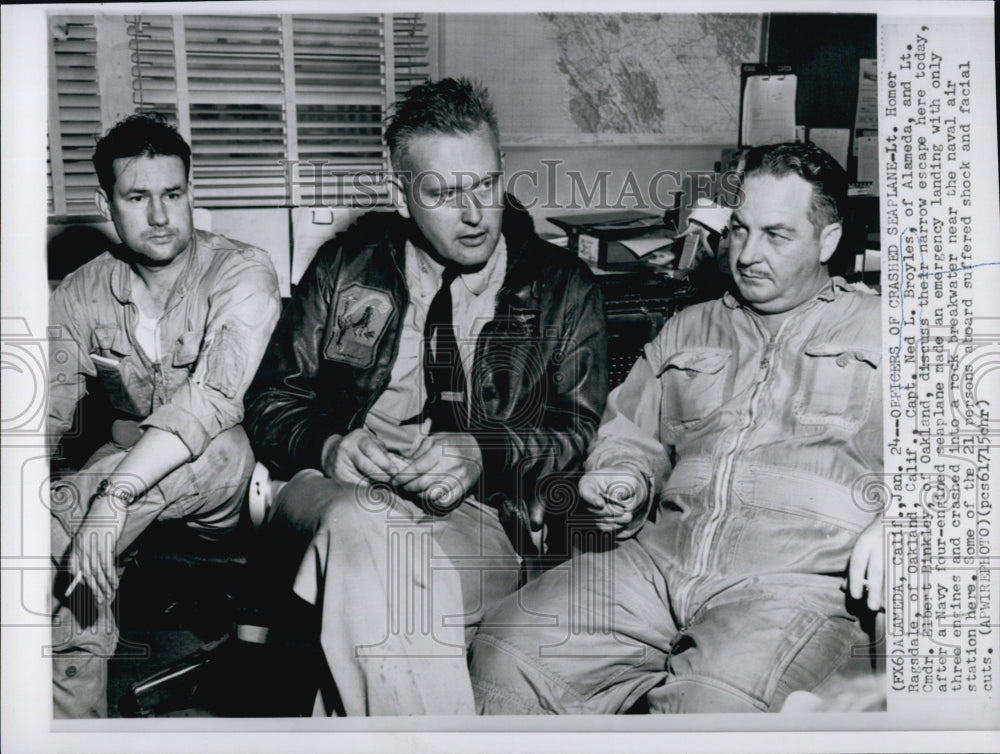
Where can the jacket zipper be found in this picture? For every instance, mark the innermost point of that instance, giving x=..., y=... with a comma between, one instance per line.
x=722, y=486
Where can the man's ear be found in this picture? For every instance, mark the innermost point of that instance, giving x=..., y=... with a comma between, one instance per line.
x=397, y=191
x=502, y=179
x=103, y=205
x=829, y=237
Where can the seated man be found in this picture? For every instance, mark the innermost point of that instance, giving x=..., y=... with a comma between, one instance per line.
x=767, y=404
x=432, y=369
x=170, y=326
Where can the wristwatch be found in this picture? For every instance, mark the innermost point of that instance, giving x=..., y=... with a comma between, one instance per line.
x=124, y=494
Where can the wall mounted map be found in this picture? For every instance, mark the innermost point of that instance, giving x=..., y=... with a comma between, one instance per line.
x=608, y=78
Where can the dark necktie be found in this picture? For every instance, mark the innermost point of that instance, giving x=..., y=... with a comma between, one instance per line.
x=444, y=377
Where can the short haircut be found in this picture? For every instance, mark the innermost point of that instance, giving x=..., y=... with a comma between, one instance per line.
x=146, y=135
x=448, y=106
x=813, y=165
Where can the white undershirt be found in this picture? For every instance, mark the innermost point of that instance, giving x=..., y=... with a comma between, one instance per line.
x=147, y=335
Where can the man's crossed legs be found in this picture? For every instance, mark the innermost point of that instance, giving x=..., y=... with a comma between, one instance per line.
x=400, y=592
x=599, y=633
x=207, y=493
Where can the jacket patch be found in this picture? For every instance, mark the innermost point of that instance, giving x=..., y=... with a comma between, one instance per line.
x=361, y=315
x=527, y=319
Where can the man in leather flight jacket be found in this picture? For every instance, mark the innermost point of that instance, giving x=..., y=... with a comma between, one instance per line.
x=403, y=534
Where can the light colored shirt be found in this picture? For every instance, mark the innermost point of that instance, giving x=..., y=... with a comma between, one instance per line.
x=776, y=440
x=473, y=298
x=147, y=334
x=211, y=336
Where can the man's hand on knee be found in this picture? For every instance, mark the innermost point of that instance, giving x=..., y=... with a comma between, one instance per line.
x=359, y=458
x=442, y=470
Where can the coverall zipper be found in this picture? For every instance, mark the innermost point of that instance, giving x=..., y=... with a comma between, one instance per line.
x=723, y=482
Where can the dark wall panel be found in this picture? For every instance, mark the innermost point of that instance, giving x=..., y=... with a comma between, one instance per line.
x=824, y=50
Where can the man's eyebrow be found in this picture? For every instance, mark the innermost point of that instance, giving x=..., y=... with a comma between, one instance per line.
x=168, y=190
x=438, y=187
x=779, y=227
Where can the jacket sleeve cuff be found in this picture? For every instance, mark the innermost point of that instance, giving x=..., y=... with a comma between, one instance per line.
x=642, y=512
x=328, y=443
x=642, y=471
x=307, y=450
x=494, y=448
x=615, y=457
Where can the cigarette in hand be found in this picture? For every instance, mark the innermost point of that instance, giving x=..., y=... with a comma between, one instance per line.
x=73, y=584
x=843, y=584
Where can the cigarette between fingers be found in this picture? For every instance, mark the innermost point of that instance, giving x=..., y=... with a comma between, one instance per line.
x=843, y=584
x=73, y=584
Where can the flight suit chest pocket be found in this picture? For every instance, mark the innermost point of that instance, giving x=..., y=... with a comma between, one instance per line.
x=694, y=383
x=110, y=341
x=838, y=383
x=116, y=372
x=186, y=350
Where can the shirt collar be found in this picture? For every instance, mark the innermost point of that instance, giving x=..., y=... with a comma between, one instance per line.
x=832, y=291
x=121, y=280
x=423, y=273
x=121, y=283
x=829, y=292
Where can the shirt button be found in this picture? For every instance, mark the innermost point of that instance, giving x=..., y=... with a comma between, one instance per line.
x=841, y=361
x=71, y=671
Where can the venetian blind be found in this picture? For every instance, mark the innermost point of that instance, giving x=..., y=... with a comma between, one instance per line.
x=278, y=109
x=340, y=96
x=74, y=114
x=282, y=109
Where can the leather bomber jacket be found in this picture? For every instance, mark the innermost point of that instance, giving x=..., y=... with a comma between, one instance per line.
x=539, y=380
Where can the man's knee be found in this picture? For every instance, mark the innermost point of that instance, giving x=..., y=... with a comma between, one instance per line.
x=504, y=681
x=79, y=686
x=227, y=459
x=690, y=694
x=208, y=491
x=819, y=657
x=311, y=502
x=749, y=654
x=509, y=673
x=312, y=508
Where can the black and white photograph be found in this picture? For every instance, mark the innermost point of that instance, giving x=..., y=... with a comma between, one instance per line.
x=433, y=377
